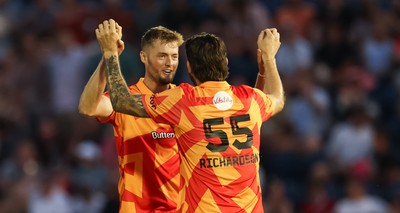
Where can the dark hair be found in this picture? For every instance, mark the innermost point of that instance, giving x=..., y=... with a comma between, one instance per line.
x=207, y=56
x=160, y=33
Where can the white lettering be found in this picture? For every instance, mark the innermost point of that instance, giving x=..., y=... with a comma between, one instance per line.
x=161, y=135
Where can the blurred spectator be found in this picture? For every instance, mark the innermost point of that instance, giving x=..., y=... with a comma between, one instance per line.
x=17, y=177
x=50, y=147
x=308, y=109
x=239, y=58
x=40, y=18
x=295, y=53
x=49, y=194
x=299, y=14
x=358, y=200
x=12, y=9
x=31, y=71
x=337, y=13
x=377, y=49
x=351, y=86
x=13, y=113
x=393, y=128
x=248, y=18
x=276, y=200
x=116, y=10
x=89, y=171
x=70, y=17
x=66, y=71
x=395, y=205
x=245, y=20
x=350, y=148
x=321, y=190
x=334, y=49
x=286, y=158
x=89, y=178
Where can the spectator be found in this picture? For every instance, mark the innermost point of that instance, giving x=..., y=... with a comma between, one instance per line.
x=350, y=148
x=357, y=199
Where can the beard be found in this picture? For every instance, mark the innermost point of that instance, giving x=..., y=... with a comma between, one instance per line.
x=158, y=76
x=167, y=79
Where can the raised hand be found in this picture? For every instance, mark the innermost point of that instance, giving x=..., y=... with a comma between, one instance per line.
x=268, y=42
x=121, y=44
x=108, y=35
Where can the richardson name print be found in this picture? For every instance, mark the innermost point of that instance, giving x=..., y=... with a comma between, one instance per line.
x=238, y=160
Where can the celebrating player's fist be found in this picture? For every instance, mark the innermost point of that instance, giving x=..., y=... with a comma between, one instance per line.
x=268, y=42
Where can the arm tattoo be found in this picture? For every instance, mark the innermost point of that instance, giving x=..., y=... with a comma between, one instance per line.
x=122, y=100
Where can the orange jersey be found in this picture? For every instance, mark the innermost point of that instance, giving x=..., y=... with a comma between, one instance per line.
x=148, y=161
x=218, y=131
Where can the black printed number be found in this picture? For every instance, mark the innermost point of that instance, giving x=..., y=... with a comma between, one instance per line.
x=207, y=123
x=239, y=131
x=236, y=130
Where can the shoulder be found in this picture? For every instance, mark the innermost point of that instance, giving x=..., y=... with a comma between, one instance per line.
x=186, y=86
x=245, y=89
x=133, y=88
x=242, y=87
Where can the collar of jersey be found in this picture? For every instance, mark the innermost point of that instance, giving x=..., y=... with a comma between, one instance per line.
x=144, y=89
x=215, y=84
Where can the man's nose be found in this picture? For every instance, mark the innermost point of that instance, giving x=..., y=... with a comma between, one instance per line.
x=168, y=61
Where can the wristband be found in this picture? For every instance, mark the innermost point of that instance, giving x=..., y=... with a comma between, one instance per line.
x=259, y=74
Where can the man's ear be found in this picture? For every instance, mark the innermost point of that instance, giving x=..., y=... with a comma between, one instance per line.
x=143, y=56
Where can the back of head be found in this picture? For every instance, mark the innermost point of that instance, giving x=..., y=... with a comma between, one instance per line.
x=160, y=33
x=207, y=56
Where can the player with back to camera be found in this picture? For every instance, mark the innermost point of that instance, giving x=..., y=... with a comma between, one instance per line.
x=147, y=151
x=217, y=125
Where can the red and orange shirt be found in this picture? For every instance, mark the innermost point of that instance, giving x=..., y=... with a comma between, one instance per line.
x=218, y=131
x=148, y=161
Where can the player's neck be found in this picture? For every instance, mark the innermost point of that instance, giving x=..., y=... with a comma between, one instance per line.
x=154, y=86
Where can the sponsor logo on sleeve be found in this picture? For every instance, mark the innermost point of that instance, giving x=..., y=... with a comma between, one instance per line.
x=153, y=102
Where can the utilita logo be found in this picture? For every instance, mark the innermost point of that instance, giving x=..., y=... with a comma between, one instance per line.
x=222, y=100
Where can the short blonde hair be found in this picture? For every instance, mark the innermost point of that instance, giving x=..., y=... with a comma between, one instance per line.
x=160, y=33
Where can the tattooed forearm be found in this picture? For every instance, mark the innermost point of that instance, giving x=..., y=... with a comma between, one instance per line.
x=122, y=100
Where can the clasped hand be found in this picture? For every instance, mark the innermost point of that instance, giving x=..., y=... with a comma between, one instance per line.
x=109, y=36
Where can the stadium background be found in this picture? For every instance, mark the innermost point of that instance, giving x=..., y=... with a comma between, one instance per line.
x=337, y=139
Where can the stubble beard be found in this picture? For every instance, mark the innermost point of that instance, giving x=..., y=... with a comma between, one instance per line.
x=158, y=76
x=166, y=80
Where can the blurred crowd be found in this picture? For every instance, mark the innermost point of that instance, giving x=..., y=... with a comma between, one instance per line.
x=334, y=148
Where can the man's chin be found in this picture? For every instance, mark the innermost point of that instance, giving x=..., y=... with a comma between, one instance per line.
x=167, y=79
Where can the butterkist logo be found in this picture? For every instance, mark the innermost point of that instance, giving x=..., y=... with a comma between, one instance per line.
x=160, y=135
x=222, y=100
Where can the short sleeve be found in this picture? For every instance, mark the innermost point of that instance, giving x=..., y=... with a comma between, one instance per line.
x=164, y=107
x=265, y=103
